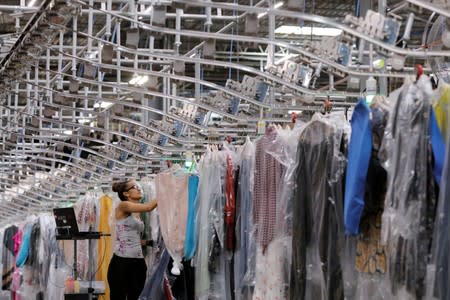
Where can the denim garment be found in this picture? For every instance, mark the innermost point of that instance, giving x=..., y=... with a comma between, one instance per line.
x=316, y=270
x=153, y=289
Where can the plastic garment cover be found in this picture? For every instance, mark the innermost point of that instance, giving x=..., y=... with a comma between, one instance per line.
x=22, y=255
x=190, y=241
x=441, y=263
x=48, y=246
x=365, y=256
x=151, y=230
x=151, y=221
x=268, y=178
x=359, y=151
x=244, y=256
x=2, y=230
x=172, y=197
x=153, y=289
x=219, y=258
x=409, y=212
x=58, y=273
x=27, y=289
x=318, y=233
x=273, y=262
x=87, y=212
x=210, y=236
x=230, y=205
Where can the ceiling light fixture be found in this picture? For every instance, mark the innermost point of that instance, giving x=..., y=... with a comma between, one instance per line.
x=307, y=30
x=103, y=104
x=276, y=6
x=138, y=80
x=32, y=2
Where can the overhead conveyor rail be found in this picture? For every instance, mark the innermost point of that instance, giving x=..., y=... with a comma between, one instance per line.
x=95, y=89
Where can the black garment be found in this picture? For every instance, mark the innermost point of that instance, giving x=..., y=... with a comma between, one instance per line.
x=8, y=257
x=183, y=284
x=126, y=277
x=318, y=215
x=411, y=197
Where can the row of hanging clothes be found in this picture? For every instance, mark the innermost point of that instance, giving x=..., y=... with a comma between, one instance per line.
x=328, y=209
x=35, y=265
x=32, y=263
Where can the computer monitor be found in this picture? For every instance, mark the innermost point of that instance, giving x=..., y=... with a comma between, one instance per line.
x=66, y=222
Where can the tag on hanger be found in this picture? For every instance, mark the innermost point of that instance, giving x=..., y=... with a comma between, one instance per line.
x=261, y=127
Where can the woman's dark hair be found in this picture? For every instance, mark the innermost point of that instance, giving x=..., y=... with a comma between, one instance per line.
x=119, y=187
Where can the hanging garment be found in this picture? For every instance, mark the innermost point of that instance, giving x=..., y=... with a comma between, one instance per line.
x=86, y=211
x=154, y=289
x=267, y=183
x=359, y=151
x=442, y=109
x=48, y=249
x=104, y=252
x=33, y=254
x=245, y=262
x=438, y=146
x=172, y=197
x=441, y=247
x=409, y=213
x=8, y=256
x=230, y=205
x=182, y=286
x=317, y=240
x=370, y=252
x=190, y=241
x=22, y=254
x=218, y=258
x=209, y=194
x=270, y=270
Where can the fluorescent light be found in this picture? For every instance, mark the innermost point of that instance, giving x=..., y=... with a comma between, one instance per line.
x=134, y=79
x=138, y=80
x=142, y=80
x=307, y=30
x=276, y=6
x=102, y=104
x=32, y=2
x=68, y=132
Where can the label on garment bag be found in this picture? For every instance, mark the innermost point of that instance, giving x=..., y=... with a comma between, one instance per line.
x=261, y=127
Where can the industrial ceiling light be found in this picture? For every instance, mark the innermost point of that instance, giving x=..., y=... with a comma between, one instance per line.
x=138, y=80
x=31, y=3
x=307, y=30
x=276, y=6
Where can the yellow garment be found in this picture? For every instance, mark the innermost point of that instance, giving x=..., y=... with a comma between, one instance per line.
x=104, y=244
x=442, y=111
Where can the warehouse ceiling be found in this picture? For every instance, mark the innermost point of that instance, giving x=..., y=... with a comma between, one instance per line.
x=92, y=90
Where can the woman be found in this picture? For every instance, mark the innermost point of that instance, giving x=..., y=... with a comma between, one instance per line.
x=127, y=269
